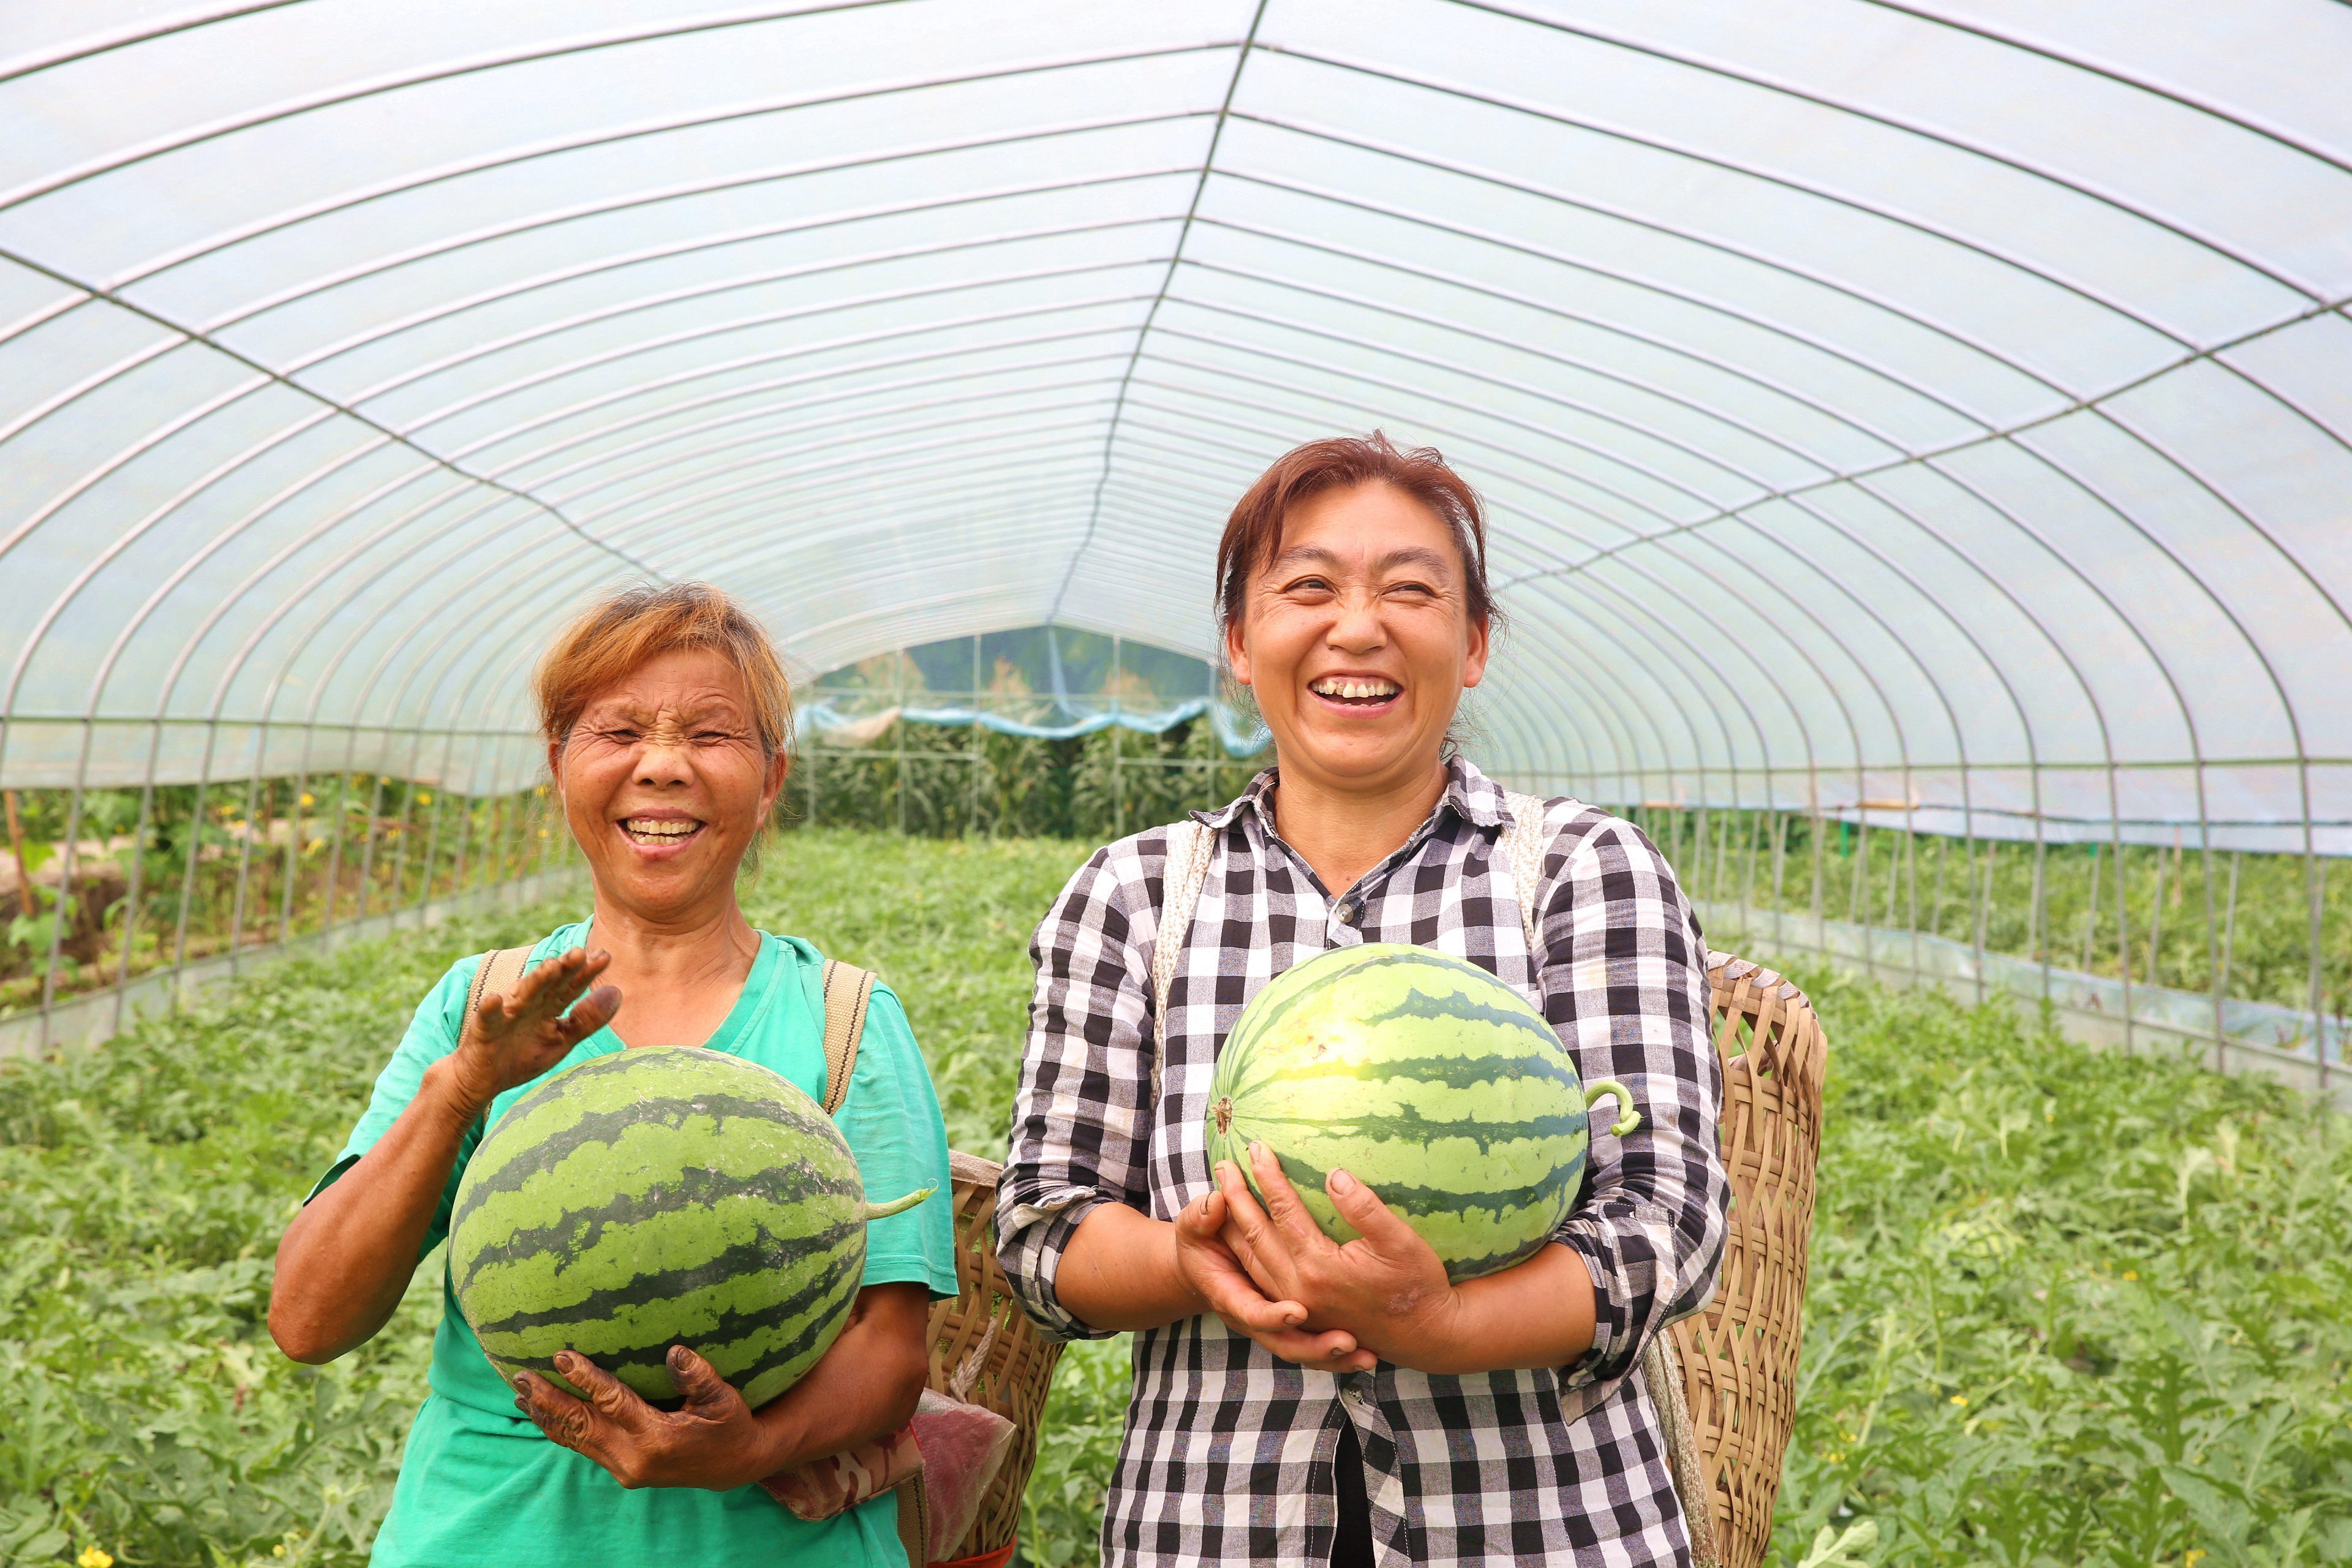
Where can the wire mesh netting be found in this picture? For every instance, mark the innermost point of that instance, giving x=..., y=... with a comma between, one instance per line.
x=1931, y=418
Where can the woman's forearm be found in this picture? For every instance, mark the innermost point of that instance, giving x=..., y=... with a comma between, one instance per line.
x=866, y=1385
x=347, y=1258
x=1534, y=1314
x=1120, y=1271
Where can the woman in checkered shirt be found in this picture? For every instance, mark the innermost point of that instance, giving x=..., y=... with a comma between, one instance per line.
x=1298, y=1401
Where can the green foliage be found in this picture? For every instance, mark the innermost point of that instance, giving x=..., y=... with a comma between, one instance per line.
x=2066, y=1306
x=2260, y=905
x=142, y=1189
x=2136, y=1275
x=975, y=780
x=163, y=875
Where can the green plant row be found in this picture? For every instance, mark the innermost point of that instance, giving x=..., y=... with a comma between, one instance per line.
x=2171, y=916
x=933, y=781
x=173, y=874
x=2065, y=1307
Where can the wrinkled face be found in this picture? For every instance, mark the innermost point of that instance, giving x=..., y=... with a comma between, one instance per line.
x=664, y=783
x=1357, y=639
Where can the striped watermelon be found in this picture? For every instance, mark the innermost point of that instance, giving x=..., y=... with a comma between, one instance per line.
x=1425, y=1077
x=659, y=1196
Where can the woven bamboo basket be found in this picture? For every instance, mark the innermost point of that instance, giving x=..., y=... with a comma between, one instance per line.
x=1740, y=1355
x=985, y=1350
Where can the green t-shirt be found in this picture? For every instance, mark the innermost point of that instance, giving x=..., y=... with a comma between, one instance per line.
x=480, y=1484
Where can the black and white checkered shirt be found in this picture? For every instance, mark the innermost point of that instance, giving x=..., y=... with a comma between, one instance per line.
x=1229, y=1448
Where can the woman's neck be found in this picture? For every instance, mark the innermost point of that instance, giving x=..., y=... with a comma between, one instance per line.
x=678, y=976
x=1343, y=833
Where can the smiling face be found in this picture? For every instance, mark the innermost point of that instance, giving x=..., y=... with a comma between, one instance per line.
x=664, y=787
x=1357, y=641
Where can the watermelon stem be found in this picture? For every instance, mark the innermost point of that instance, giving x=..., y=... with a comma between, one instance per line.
x=1600, y=1089
x=898, y=1205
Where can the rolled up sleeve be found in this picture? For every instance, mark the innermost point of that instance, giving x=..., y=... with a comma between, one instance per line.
x=1081, y=1117
x=1625, y=984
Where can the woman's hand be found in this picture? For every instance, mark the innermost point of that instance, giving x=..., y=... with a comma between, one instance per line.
x=866, y=1385
x=1208, y=1268
x=1387, y=1287
x=519, y=1036
x=714, y=1442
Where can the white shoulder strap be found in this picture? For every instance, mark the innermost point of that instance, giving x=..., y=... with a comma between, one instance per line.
x=1190, y=848
x=848, y=991
x=1523, y=846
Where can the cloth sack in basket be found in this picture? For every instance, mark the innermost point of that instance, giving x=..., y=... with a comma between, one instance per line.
x=951, y=1451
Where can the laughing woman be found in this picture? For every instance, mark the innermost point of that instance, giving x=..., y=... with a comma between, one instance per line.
x=1296, y=1402
x=665, y=712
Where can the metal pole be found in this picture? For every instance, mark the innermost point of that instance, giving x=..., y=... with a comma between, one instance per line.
x=2221, y=980
x=367, y=846
x=63, y=909
x=253, y=804
x=2156, y=926
x=1984, y=913
x=2123, y=935
x=2314, y=891
x=1936, y=904
x=2091, y=916
x=1780, y=868
x=132, y=893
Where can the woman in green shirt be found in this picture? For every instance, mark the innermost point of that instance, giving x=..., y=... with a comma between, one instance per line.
x=665, y=712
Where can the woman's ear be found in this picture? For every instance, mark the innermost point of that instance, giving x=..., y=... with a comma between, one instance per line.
x=780, y=766
x=1473, y=660
x=1236, y=650
x=555, y=766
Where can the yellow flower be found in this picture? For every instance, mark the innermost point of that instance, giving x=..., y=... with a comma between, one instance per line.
x=1961, y=1399
x=424, y=797
x=91, y=1557
x=2131, y=1273
x=278, y=1550
x=2194, y=1554
x=307, y=800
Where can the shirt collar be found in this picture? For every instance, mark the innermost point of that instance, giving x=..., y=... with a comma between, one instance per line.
x=1469, y=794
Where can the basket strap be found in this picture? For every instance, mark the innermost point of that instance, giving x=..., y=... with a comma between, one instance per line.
x=848, y=990
x=1523, y=846
x=1189, y=847
x=494, y=977
x=1662, y=1370
x=914, y=1521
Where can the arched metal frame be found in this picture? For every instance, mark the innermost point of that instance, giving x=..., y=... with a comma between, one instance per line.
x=1893, y=412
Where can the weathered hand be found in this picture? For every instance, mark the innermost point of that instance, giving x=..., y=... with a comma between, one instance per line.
x=1388, y=1287
x=1209, y=1267
x=521, y=1034
x=714, y=1442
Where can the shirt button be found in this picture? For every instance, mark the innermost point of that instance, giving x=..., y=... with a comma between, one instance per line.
x=1346, y=913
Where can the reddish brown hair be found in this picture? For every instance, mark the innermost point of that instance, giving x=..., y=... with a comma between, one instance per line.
x=1254, y=532
x=622, y=633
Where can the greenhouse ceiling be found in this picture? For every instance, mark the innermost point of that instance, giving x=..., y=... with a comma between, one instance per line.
x=1942, y=411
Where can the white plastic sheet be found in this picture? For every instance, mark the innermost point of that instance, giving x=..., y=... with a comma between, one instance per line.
x=1936, y=412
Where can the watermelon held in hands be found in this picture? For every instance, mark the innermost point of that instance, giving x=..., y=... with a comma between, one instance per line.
x=659, y=1196
x=1426, y=1078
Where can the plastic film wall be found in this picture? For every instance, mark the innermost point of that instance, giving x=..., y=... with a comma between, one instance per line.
x=1939, y=415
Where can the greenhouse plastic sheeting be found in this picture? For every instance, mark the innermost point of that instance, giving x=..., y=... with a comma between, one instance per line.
x=1938, y=413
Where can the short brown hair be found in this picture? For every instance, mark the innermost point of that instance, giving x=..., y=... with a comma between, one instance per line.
x=1254, y=532
x=625, y=631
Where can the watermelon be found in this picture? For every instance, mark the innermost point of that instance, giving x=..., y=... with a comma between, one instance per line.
x=1426, y=1078
x=658, y=1197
